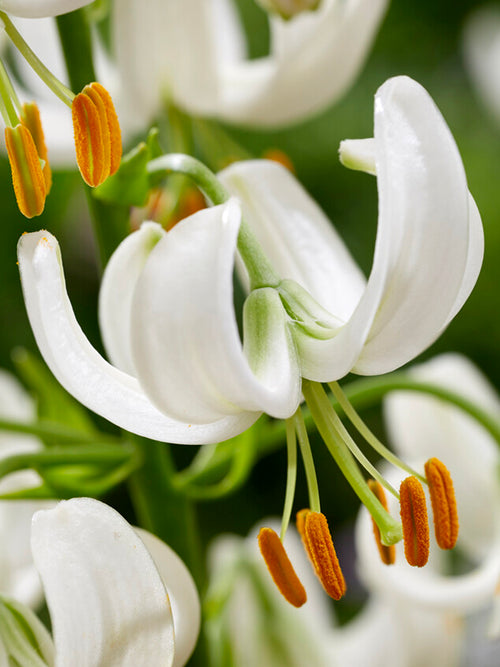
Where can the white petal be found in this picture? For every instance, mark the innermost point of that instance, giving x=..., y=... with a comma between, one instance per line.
x=117, y=290
x=107, y=602
x=359, y=154
x=78, y=366
x=295, y=234
x=182, y=594
x=318, y=53
x=186, y=346
x=36, y=9
x=482, y=55
x=421, y=426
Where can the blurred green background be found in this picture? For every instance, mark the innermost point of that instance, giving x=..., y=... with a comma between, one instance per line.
x=421, y=39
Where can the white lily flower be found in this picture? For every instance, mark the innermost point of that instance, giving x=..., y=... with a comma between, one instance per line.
x=117, y=596
x=184, y=375
x=18, y=576
x=202, y=386
x=422, y=426
x=482, y=55
x=35, y=9
x=427, y=218
x=262, y=628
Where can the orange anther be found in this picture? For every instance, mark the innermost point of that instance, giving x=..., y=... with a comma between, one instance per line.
x=415, y=522
x=97, y=134
x=300, y=522
x=280, y=567
x=319, y=546
x=27, y=175
x=387, y=553
x=444, y=505
x=279, y=156
x=30, y=118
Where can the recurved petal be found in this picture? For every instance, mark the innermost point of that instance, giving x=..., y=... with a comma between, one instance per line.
x=182, y=594
x=36, y=9
x=104, y=389
x=295, y=234
x=107, y=601
x=424, y=221
x=186, y=347
x=318, y=53
x=117, y=291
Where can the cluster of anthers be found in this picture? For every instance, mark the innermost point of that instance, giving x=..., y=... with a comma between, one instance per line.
x=313, y=527
x=95, y=123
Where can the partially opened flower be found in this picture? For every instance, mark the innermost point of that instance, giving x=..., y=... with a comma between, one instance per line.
x=422, y=426
x=117, y=596
x=18, y=576
x=180, y=371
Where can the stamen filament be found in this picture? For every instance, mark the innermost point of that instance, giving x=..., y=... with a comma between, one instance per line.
x=280, y=567
x=387, y=554
x=9, y=99
x=444, y=505
x=291, y=476
x=367, y=434
x=321, y=411
x=56, y=86
x=415, y=522
x=307, y=458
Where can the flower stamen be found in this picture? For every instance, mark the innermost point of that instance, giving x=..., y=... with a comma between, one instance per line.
x=30, y=118
x=319, y=546
x=387, y=553
x=97, y=134
x=444, y=505
x=280, y=567
x=415, y=522
x=27, y=175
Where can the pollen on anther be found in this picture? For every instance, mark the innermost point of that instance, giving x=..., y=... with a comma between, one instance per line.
x=97, y=134
x=27, y=175
x=444, y=505
x=387, y=553
x=30, y=118
x=280, y=567
x=319, y=546
x=415, y=522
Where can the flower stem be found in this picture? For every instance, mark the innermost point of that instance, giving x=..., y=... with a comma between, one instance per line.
x=321, y=410
x=58, y=88
x=260, y=271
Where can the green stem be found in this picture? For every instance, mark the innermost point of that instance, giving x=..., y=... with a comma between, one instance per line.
x=321, y=410
x=260, y=271
x=367, y=434
x=55, y=431
x=58, y=88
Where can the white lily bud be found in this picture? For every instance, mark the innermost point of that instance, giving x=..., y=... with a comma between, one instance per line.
x=287, y=9
x=24, y=640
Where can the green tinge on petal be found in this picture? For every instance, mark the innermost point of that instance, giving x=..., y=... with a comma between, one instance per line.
x=25, y=640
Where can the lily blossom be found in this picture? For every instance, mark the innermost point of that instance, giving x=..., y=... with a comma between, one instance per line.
x=35, y=9
x=262, y=628
x=184, y=374
x=419, y=425
x=481, y=46
x=427, y=218
x=116, y=596
x=18, y=576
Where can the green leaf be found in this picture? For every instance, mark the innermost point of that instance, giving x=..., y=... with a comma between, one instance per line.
x=54, y=404
x=131, y=183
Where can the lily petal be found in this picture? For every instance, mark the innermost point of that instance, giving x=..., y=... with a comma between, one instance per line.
x=80, y=368
x=182, y=594
x=186, y=347
x=36, y=9
x=295, y=234
x=107, y=602
x=318, y=53
x=117, y=290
